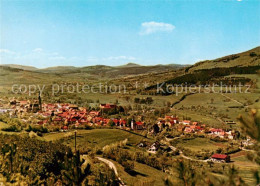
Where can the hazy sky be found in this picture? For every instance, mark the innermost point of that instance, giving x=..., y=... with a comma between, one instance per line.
x=54, y=32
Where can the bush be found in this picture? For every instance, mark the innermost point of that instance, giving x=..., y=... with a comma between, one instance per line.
x=37, y=129
x=128, y=166
x=12, y=128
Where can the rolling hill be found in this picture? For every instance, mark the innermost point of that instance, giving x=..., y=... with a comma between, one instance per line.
x=23, y=67
x=131, y=72
x=243, y=59
x=101, y=70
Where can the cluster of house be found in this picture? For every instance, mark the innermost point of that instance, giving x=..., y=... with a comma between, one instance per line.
x=188, y=126
x=25, y=105
x=154, y=147
x=222, y=133
x=66, y=115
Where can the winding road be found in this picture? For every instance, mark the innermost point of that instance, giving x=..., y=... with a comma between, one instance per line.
x=106, y=161
x=109, y=163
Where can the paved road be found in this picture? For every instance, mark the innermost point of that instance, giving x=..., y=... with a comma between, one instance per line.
x=112, y=166
x=109, y=163
x=106, y=161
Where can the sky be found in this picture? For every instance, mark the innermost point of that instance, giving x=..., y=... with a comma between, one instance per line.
x=48, y=33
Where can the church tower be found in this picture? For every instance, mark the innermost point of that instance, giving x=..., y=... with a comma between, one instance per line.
x=40, y=101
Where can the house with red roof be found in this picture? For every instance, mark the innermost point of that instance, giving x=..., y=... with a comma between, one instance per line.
x=107, y=106
x=122, y=123
x=217, y=132
x=116, y=121
x=64, y=128
x=57, y=120
x=22, y=103
x=40, y=122
x=83, y=121
x=71, y=106
x=188, y=129
x=220, y=158
x=94, y=113
x=137, y=125
x=186, y=122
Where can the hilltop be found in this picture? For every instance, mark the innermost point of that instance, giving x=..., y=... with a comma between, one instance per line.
x=23, y=67
x=243, y=59
x=130, y=65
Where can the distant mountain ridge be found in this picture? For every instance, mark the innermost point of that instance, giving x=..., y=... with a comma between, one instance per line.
x=128, y=68
x=97, y=71
x=243, y=59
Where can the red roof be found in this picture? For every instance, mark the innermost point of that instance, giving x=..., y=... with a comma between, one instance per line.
x=64, y=114
x=23, y=102
x=107, y=106
x=115, y=120
x=199, y=128
x=172, y=122
x=94, y=113
x=57, y=119
x=72, y=119
x=219, y=156
x=65, y=127
x=216, y=130
x=98, y=119
x=139, y=123
x=106, y=120
x=83, y=121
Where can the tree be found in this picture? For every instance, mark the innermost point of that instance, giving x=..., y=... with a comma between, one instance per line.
x=149, y=100
x=111, y=123
x=251, y=126
x=137, y=100
x=156, y=129
x=187, y=172
x=76, y=175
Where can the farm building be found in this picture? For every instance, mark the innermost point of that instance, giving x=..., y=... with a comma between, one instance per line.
x=220, y=157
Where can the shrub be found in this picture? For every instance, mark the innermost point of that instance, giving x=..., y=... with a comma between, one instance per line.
x=37, y=129
x=12, y=128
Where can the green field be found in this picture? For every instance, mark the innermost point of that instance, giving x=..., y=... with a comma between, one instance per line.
x=198, y=144
x=96, y=137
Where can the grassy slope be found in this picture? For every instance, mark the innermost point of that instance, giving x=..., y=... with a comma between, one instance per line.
x=221, y=106
x=242, y=59
x=198, y=144
x=144, y=175
x=96, y=137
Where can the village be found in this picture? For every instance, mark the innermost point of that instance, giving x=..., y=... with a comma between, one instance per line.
x=66, y=117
